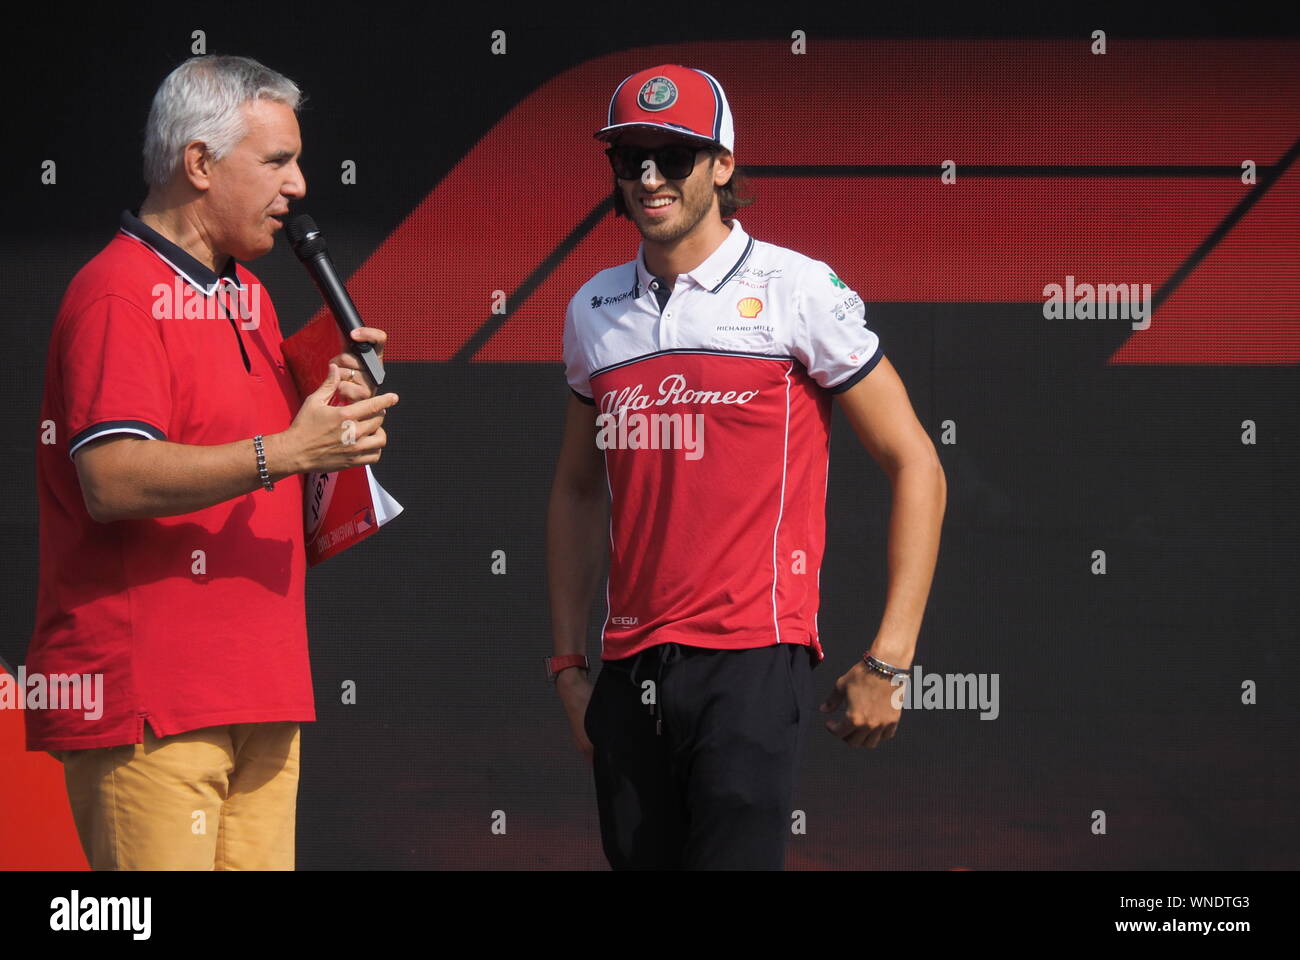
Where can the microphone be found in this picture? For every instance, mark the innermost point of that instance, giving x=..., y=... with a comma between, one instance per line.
x=308, y=243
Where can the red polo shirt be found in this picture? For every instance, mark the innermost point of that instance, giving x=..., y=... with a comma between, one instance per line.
x=194, y=620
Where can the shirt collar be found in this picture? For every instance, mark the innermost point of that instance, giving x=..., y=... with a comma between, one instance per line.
x=719, y=267
x=198, y=275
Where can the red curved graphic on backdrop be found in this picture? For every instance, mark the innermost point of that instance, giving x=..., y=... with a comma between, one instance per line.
x=510, y=203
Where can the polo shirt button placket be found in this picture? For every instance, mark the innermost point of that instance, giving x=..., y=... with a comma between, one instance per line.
x=663, y=320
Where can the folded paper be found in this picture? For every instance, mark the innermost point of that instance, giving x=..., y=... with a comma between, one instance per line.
x=341, y=508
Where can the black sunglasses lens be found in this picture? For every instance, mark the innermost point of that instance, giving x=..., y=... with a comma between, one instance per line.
x=626, y=162
x=632, y=161
x=676, y=163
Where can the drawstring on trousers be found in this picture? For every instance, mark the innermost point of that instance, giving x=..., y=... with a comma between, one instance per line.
x=667, y=653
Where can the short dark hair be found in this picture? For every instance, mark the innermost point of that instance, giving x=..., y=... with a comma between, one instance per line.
x=732, y=195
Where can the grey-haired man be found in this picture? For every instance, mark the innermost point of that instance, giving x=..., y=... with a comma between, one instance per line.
x=170, y=493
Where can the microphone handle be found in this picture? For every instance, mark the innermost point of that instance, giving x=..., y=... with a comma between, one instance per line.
x=345, y=313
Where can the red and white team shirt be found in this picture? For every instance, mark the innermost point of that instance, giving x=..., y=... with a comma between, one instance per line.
x=715, y=427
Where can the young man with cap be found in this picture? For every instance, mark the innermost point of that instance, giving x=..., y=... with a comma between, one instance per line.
x=701, y=375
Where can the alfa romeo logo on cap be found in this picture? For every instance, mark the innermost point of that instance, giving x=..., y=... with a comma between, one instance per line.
x=657, y=93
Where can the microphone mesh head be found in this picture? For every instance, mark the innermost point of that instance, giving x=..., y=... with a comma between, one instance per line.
x=304, y=236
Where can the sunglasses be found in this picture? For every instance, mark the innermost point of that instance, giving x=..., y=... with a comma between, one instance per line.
x=675, y=161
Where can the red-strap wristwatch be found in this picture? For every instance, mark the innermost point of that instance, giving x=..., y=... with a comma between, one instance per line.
x=555, y=664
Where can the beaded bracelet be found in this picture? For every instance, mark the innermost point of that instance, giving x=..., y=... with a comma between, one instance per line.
x=261, y=463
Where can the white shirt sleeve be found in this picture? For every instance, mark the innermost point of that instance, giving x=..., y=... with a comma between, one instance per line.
x=832, y=339
x=576, y=368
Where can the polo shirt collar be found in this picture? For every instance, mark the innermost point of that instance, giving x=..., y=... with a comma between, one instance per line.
x=719, y=267
x=198, y=275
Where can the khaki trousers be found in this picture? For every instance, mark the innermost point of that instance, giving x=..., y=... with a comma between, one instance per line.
x=219, y=798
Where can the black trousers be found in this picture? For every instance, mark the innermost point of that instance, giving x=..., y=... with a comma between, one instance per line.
x=695, y=755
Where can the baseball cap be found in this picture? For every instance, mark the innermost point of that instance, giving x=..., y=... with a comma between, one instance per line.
x=671, y=97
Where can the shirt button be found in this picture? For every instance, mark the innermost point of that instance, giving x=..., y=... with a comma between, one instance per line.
x=654, y=285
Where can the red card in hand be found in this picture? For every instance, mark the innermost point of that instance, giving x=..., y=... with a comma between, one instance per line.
x=345, y=507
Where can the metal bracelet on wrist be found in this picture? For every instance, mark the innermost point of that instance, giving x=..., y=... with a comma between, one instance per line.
x=261, y=463
x=887, y=670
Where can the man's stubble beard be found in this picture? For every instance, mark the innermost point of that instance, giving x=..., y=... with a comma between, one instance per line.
x=694, y=210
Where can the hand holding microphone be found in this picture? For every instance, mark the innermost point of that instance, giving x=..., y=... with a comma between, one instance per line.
x=324, y=438
x=354, y=381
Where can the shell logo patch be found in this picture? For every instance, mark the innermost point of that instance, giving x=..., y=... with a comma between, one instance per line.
x=750, y=307
x=657, y=93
